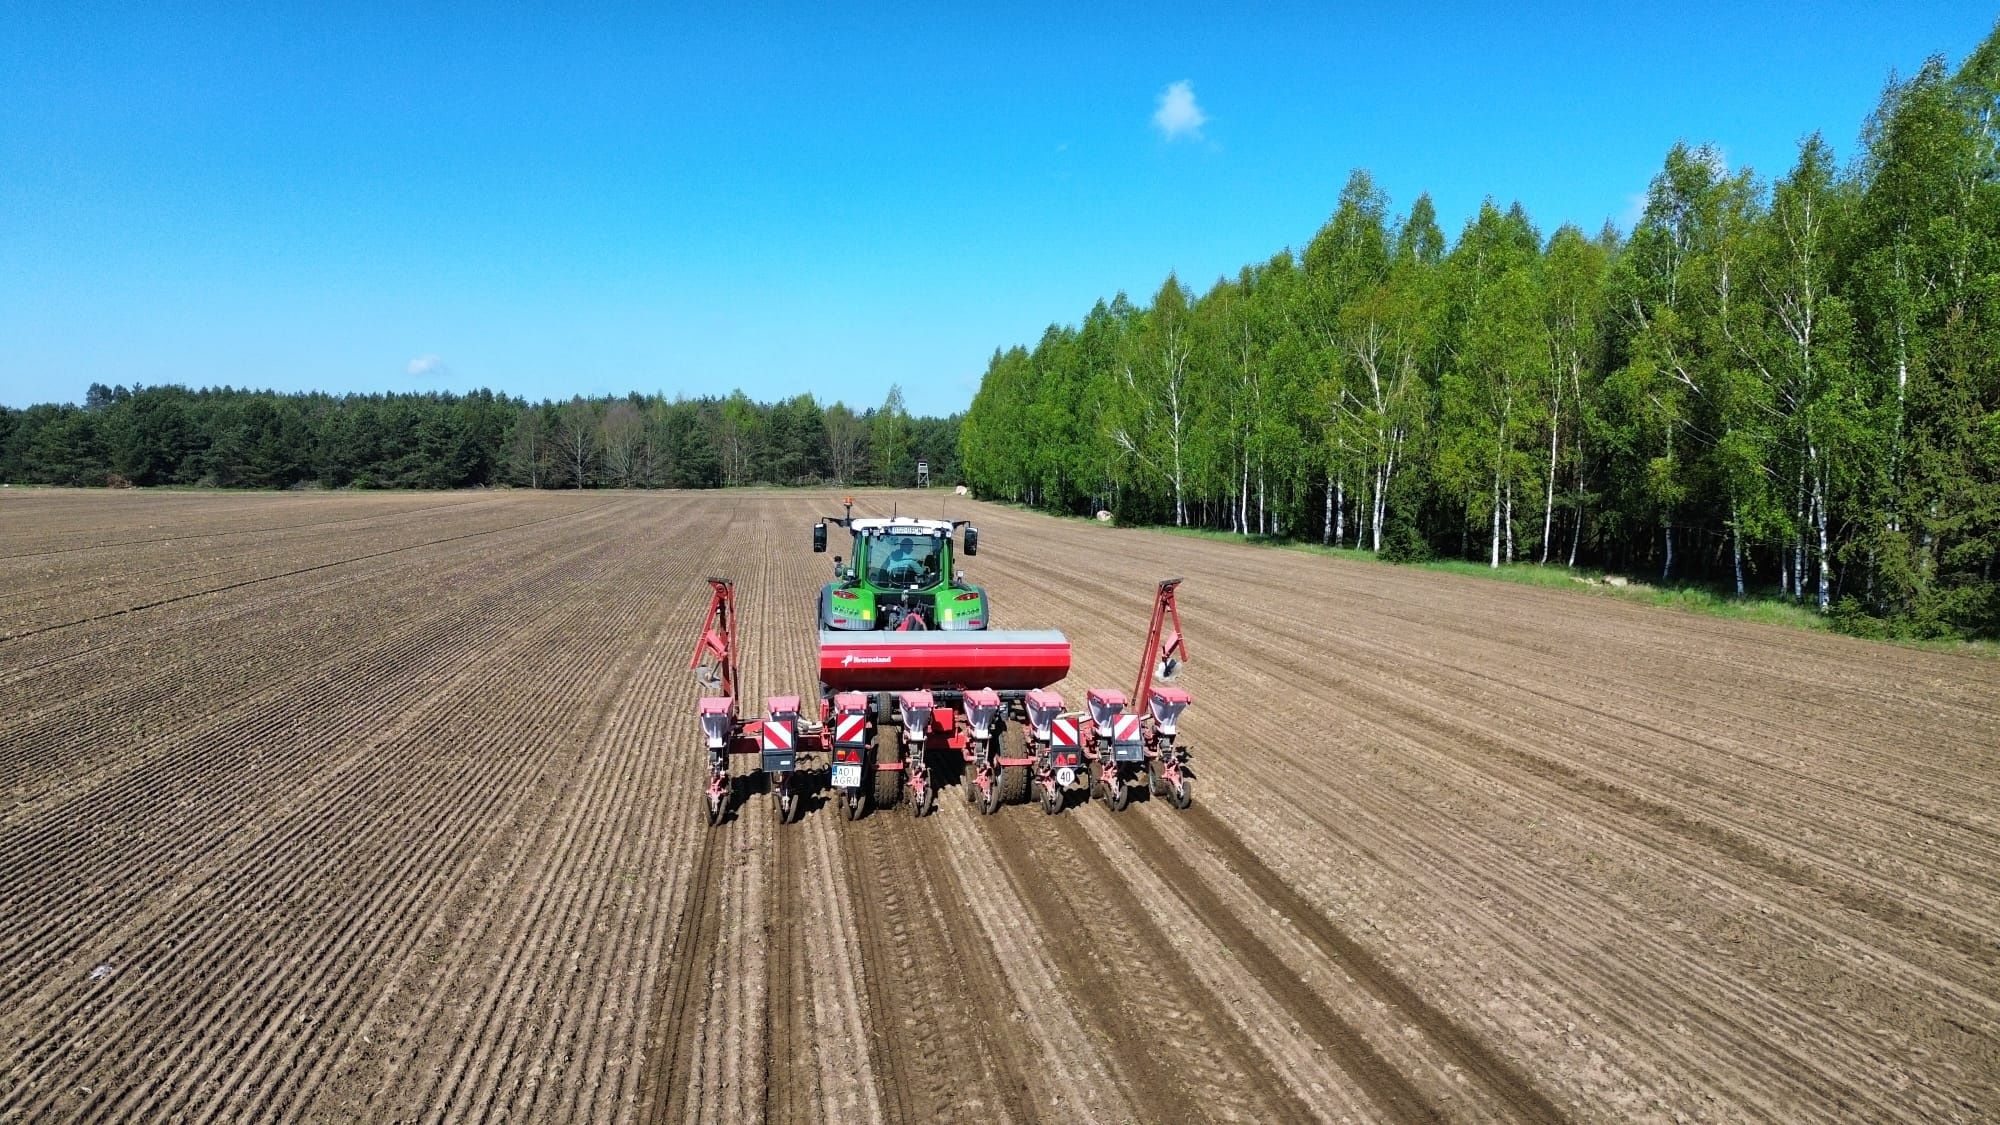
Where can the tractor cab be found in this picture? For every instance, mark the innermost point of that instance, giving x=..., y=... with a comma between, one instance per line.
x=900, y=577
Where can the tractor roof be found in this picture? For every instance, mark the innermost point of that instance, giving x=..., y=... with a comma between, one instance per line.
x=903, y=525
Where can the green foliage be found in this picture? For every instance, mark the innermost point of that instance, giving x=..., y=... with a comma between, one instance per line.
x=230, y=438
x=1786, y=390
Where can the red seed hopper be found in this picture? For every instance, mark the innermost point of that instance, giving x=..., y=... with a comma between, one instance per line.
x=1008, y=660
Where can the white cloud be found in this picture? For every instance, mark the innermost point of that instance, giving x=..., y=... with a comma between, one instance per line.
x=1179, y=115
x=425, y=365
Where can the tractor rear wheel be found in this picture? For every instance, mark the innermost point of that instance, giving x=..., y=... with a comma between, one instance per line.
x=888, y=788
x=1182, y=793
x=925, y=802
x=1012, y=784
x=1052, y=799
x=888, y=783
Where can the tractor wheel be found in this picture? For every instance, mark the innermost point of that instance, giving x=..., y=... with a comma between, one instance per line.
x=785, y=799
x=718, y=806
x=1182, y=793
x=855, y=802
x=923, y=805
x=888, y=788
x=992, y=796
x=1118, y=794
x=1012, y=784
x=1156, y=783
x=1052, y=799
x=888, y=783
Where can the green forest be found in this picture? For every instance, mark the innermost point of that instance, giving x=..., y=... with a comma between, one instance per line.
x=230, y=438
x=1787, y=387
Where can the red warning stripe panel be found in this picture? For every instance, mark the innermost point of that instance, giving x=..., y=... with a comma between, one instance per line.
x=1125, y=728
x=850, y=728
x=778, y=734
x=1062, y=731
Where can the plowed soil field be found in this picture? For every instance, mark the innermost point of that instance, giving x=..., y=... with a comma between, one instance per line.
x=388, y=808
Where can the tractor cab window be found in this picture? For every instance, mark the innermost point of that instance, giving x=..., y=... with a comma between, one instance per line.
x=905, y=560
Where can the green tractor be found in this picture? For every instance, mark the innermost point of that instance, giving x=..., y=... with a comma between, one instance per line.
x=901, y=577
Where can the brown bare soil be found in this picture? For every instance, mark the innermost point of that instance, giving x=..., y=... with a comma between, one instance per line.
x=341, y=807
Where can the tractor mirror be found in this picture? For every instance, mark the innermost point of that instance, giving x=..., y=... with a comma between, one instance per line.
x=971, y=541
x=819, y=538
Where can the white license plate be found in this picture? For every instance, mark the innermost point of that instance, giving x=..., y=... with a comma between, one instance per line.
x=847, y=776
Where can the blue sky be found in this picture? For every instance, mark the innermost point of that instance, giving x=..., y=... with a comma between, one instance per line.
x=583, y=200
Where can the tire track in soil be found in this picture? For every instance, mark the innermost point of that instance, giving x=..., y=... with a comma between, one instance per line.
x=1613, y=1003
x=1857, y=892
x=1726, y=1041
x=217, y=682
x=245, y=1011
x=460, y=505
x=1628, y=996
x=261, y=579
x=933, y=1049
x=116, y=640
x=548, y=914
x=673, y=1054
x=1700, y=980
x=788, y=1069
x=421, y=660
x=1524, y=1101
x=1730, y=840
x=1102, y=995
x=1208, y=1036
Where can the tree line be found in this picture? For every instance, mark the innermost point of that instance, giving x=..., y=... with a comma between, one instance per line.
x=226, y=437
x=1788, y=386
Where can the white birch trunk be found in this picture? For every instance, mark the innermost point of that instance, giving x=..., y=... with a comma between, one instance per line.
x=1326, y=532
x=1243, y=495
x=1494, y=560
x=1736, y=543
x=1819, y=519
x=1549, y=502
x=1340, y=509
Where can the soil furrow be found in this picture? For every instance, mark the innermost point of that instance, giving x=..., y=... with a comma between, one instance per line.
x=668, y=1091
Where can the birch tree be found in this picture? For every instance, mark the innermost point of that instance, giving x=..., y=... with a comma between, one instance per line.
x=1156, y=376
x=621, y=436
x=574, y=440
